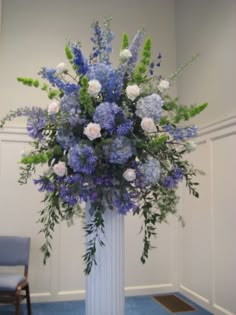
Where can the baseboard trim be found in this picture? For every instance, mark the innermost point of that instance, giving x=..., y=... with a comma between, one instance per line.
x=72, y=295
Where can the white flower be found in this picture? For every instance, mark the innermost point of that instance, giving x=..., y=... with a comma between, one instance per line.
x=129, y=174
x=92, y=131
x=148, y=125
x=132, y=91
x=25, y=153
x=53, y=108
x=125, y=54
x=163, y=85
x=61, y=68
x=60, y=169
x=190, y=146
x=94, y=88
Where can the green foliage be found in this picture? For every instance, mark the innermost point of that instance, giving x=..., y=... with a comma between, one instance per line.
x=85, y=99
x=125, y=41
x=37, y=158
x=52, y=93
x=94, y=229
x=140, y=71
x=69, y=54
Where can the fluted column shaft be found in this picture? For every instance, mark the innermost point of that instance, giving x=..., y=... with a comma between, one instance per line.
x=105, y=284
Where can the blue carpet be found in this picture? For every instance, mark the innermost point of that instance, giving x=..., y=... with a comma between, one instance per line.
x=138, y=305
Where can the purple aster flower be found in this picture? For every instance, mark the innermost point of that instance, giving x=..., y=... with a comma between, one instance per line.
x=45, y=184
x=171, y=181
x=82, y=159
x=67, y=195
x=150, y=106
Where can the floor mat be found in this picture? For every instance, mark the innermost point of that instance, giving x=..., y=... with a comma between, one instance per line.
x=173, y=303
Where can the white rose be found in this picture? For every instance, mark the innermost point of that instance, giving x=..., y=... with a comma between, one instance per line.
x=125, y=54
x=94, y=88
x=129, y=174
x=53, y=108
x=190, y=146
x=61, y=68
x=92, y=131
x=60, y=169
x=148, y=125
x=132, y=91
x=163, y=85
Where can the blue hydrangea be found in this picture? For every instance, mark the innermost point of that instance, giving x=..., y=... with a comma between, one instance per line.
x=82, y=159
x=150, y=171
x=150, y=106
x=179, y=133
x=66, y=138
x=120, y=151
x=70, y=104
x=105, y=115
x=110, y=80
x=124, y=128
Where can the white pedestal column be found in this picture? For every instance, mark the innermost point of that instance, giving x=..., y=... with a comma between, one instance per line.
x=105, y=284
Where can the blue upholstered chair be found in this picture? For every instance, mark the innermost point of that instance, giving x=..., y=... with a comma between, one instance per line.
x=14, y=251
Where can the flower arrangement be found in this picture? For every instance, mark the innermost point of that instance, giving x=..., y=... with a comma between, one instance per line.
x=110, y=137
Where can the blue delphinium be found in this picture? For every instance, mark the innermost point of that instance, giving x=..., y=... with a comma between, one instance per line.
x=79, y=60
x=149, y=171
x=82, y=159
x=51, y=76
x=36, y=122
x=179, y=133
x=150, y=106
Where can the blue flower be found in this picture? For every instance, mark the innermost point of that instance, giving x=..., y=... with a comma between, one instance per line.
x=82, y=159
x=110, y=80
x=45, y=184
x=105, y=115
x=171, y=181
x=121, y=150
x=36, y=122
x=79, y=60
x=149, y=171
x=70, y=104
x=150, y=106
x=179, y=133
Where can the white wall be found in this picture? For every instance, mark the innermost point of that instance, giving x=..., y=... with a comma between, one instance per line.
x=207, y=27
x=207, y=254
x=33, y=34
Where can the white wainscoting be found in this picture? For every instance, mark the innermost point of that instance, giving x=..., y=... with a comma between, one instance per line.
x=207, y=256
x=62, y=278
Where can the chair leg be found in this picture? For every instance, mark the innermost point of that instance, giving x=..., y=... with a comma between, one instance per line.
x=28, y=299
x=18, y=302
